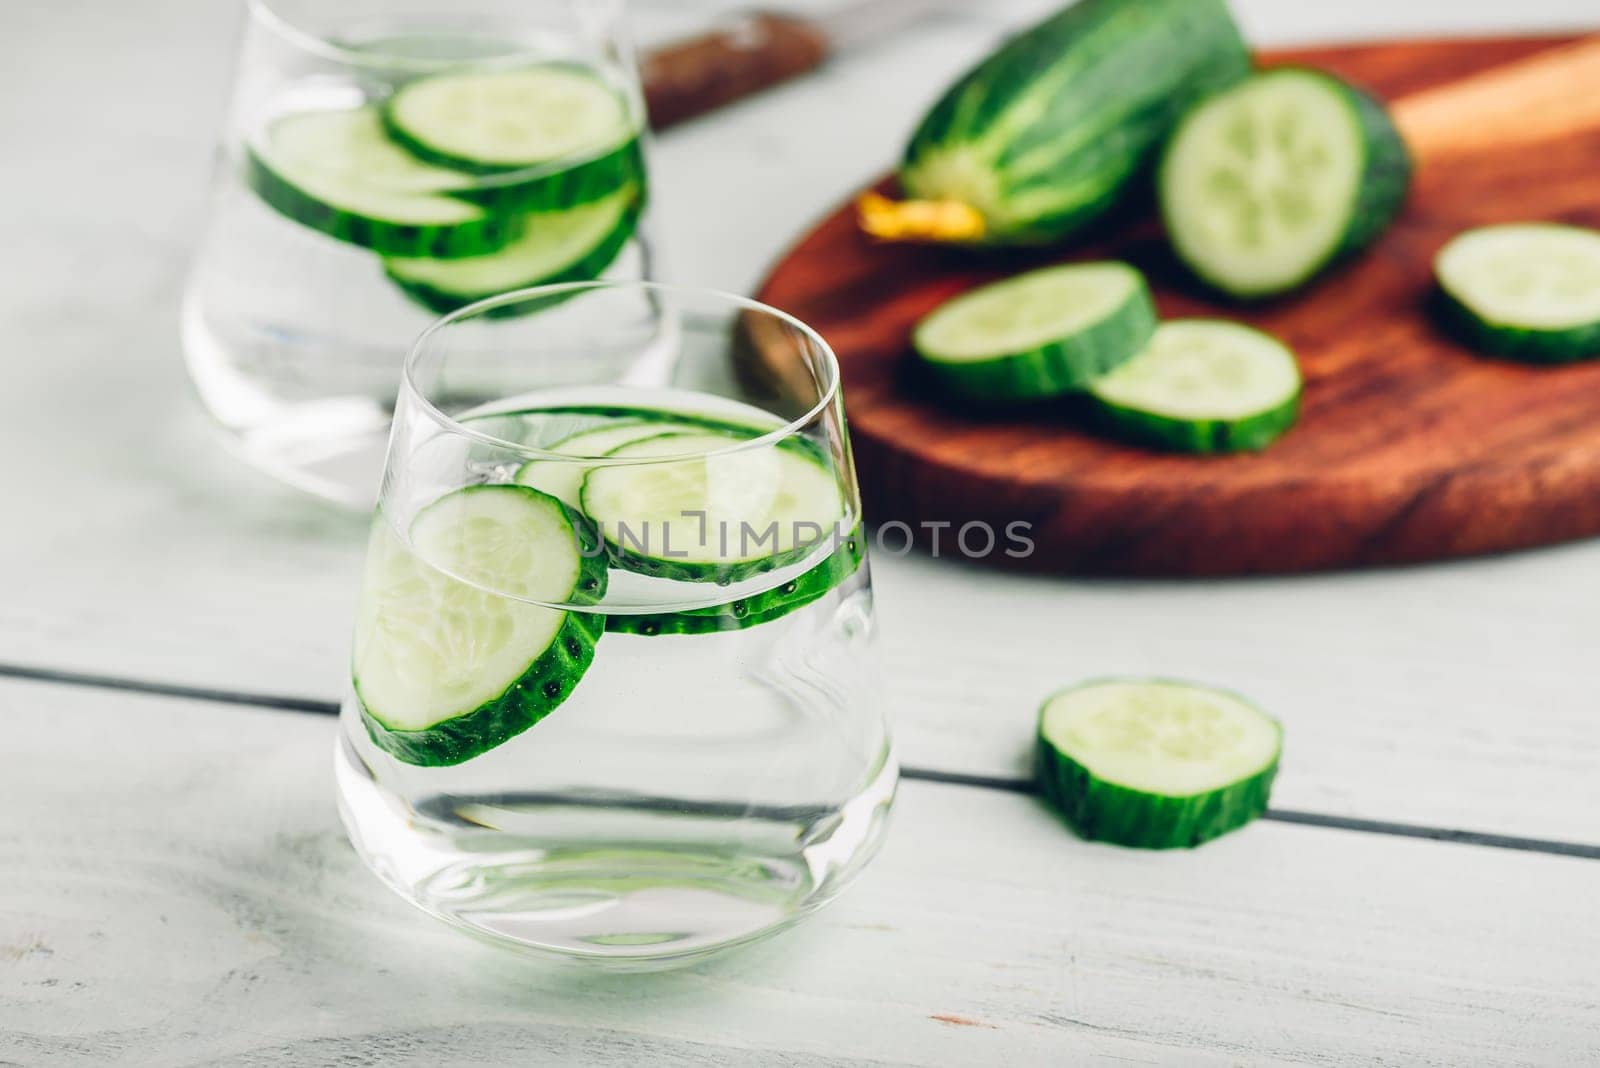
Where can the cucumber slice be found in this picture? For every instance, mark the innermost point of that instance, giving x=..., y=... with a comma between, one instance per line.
x=720, y=514
x=758, y=608
x=1267, y=183
x=444, y=669
x=563, y=480
x=1530, y=291
x=336, y=172
x=1202, y=385
x=1038, y=334
x=575, y=245
x=489, y=122
x=1156, y=764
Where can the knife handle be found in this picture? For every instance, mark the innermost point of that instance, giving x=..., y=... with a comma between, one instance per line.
x=757, y=51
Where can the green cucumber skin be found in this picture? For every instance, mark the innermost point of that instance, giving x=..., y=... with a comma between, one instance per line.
x=1125, y=70
x=548, y=681
x=1512, y=342
x=588, y=268
x=443, y=242
x=751, y=611
x=557, y=190
x=1105, y=812
x=1381, y=192
x=628, y=559
x=1064, y=366
x=1250, y=434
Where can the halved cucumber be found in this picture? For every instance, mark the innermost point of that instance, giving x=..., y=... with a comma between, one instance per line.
x=450, y=658
x=1156, y=764
x=1202, y=385
x=1038, y=334
x=1268, y=182
x=488, y=122
x=1530, y=291
x=758, y=608
x=337, y=172
x=575, y=245
x=720, y=513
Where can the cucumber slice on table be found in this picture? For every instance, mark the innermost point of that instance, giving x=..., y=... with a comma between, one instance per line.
x=1530, y=291
x=1202, y=385
x=719, y=514
x=1156, y=764
x=558, y=118
x=1038, y=334
x=1268, y=182
x=574, y=245
x=337, y=172
x=444, y=669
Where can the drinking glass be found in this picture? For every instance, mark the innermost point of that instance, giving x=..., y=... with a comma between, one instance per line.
x=614, y=689
x=386, y=161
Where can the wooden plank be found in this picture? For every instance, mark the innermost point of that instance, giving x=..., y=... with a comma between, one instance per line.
x=174, y=889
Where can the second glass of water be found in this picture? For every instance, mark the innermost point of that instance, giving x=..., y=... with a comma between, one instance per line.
x=386, y=162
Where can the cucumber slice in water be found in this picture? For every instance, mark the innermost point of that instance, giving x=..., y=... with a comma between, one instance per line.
x=1156, y=764
x=1038, y=334
x=443, y=668
x=337, y=172
x=758, y=608
x=563, y=479
x=1202, y=385
x=719, y=513
x=488, y=122
x=1266, y=183
x=1530, y=291
x=575, y=245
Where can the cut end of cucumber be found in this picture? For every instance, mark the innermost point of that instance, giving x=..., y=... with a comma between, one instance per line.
x=508, y=120
x=1156, y=763
x=1264, y=184
x=1533, y=277
x=1203, y=385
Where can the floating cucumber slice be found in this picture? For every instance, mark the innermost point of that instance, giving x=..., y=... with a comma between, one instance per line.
x=720, y=513
x=758, y=608
x=1268, y=182
x=1202, y=385
x=1156, y=764
x=336, y=171
x=1038, y=334
x=487, y=122
x=575, y=245
x=563, y=479
x=445, y=669
x=1530, y=291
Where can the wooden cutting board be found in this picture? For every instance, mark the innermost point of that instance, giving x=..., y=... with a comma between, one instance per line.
x=1409, y=448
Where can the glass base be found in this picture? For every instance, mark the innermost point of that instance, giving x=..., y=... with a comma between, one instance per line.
x=626, y=883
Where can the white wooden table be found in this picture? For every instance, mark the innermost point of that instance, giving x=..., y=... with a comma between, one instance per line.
x=174, y=888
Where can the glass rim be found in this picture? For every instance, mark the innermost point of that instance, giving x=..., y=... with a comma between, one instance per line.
x=828, y=392
x=310, y=41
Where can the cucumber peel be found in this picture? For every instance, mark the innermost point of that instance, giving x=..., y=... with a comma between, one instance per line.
x=1155, y=764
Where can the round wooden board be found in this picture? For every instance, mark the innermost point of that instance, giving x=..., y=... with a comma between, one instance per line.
x=1409, y=448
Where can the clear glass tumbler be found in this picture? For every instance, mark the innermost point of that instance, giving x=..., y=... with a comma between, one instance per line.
x=384, y=162
x=614, y=686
